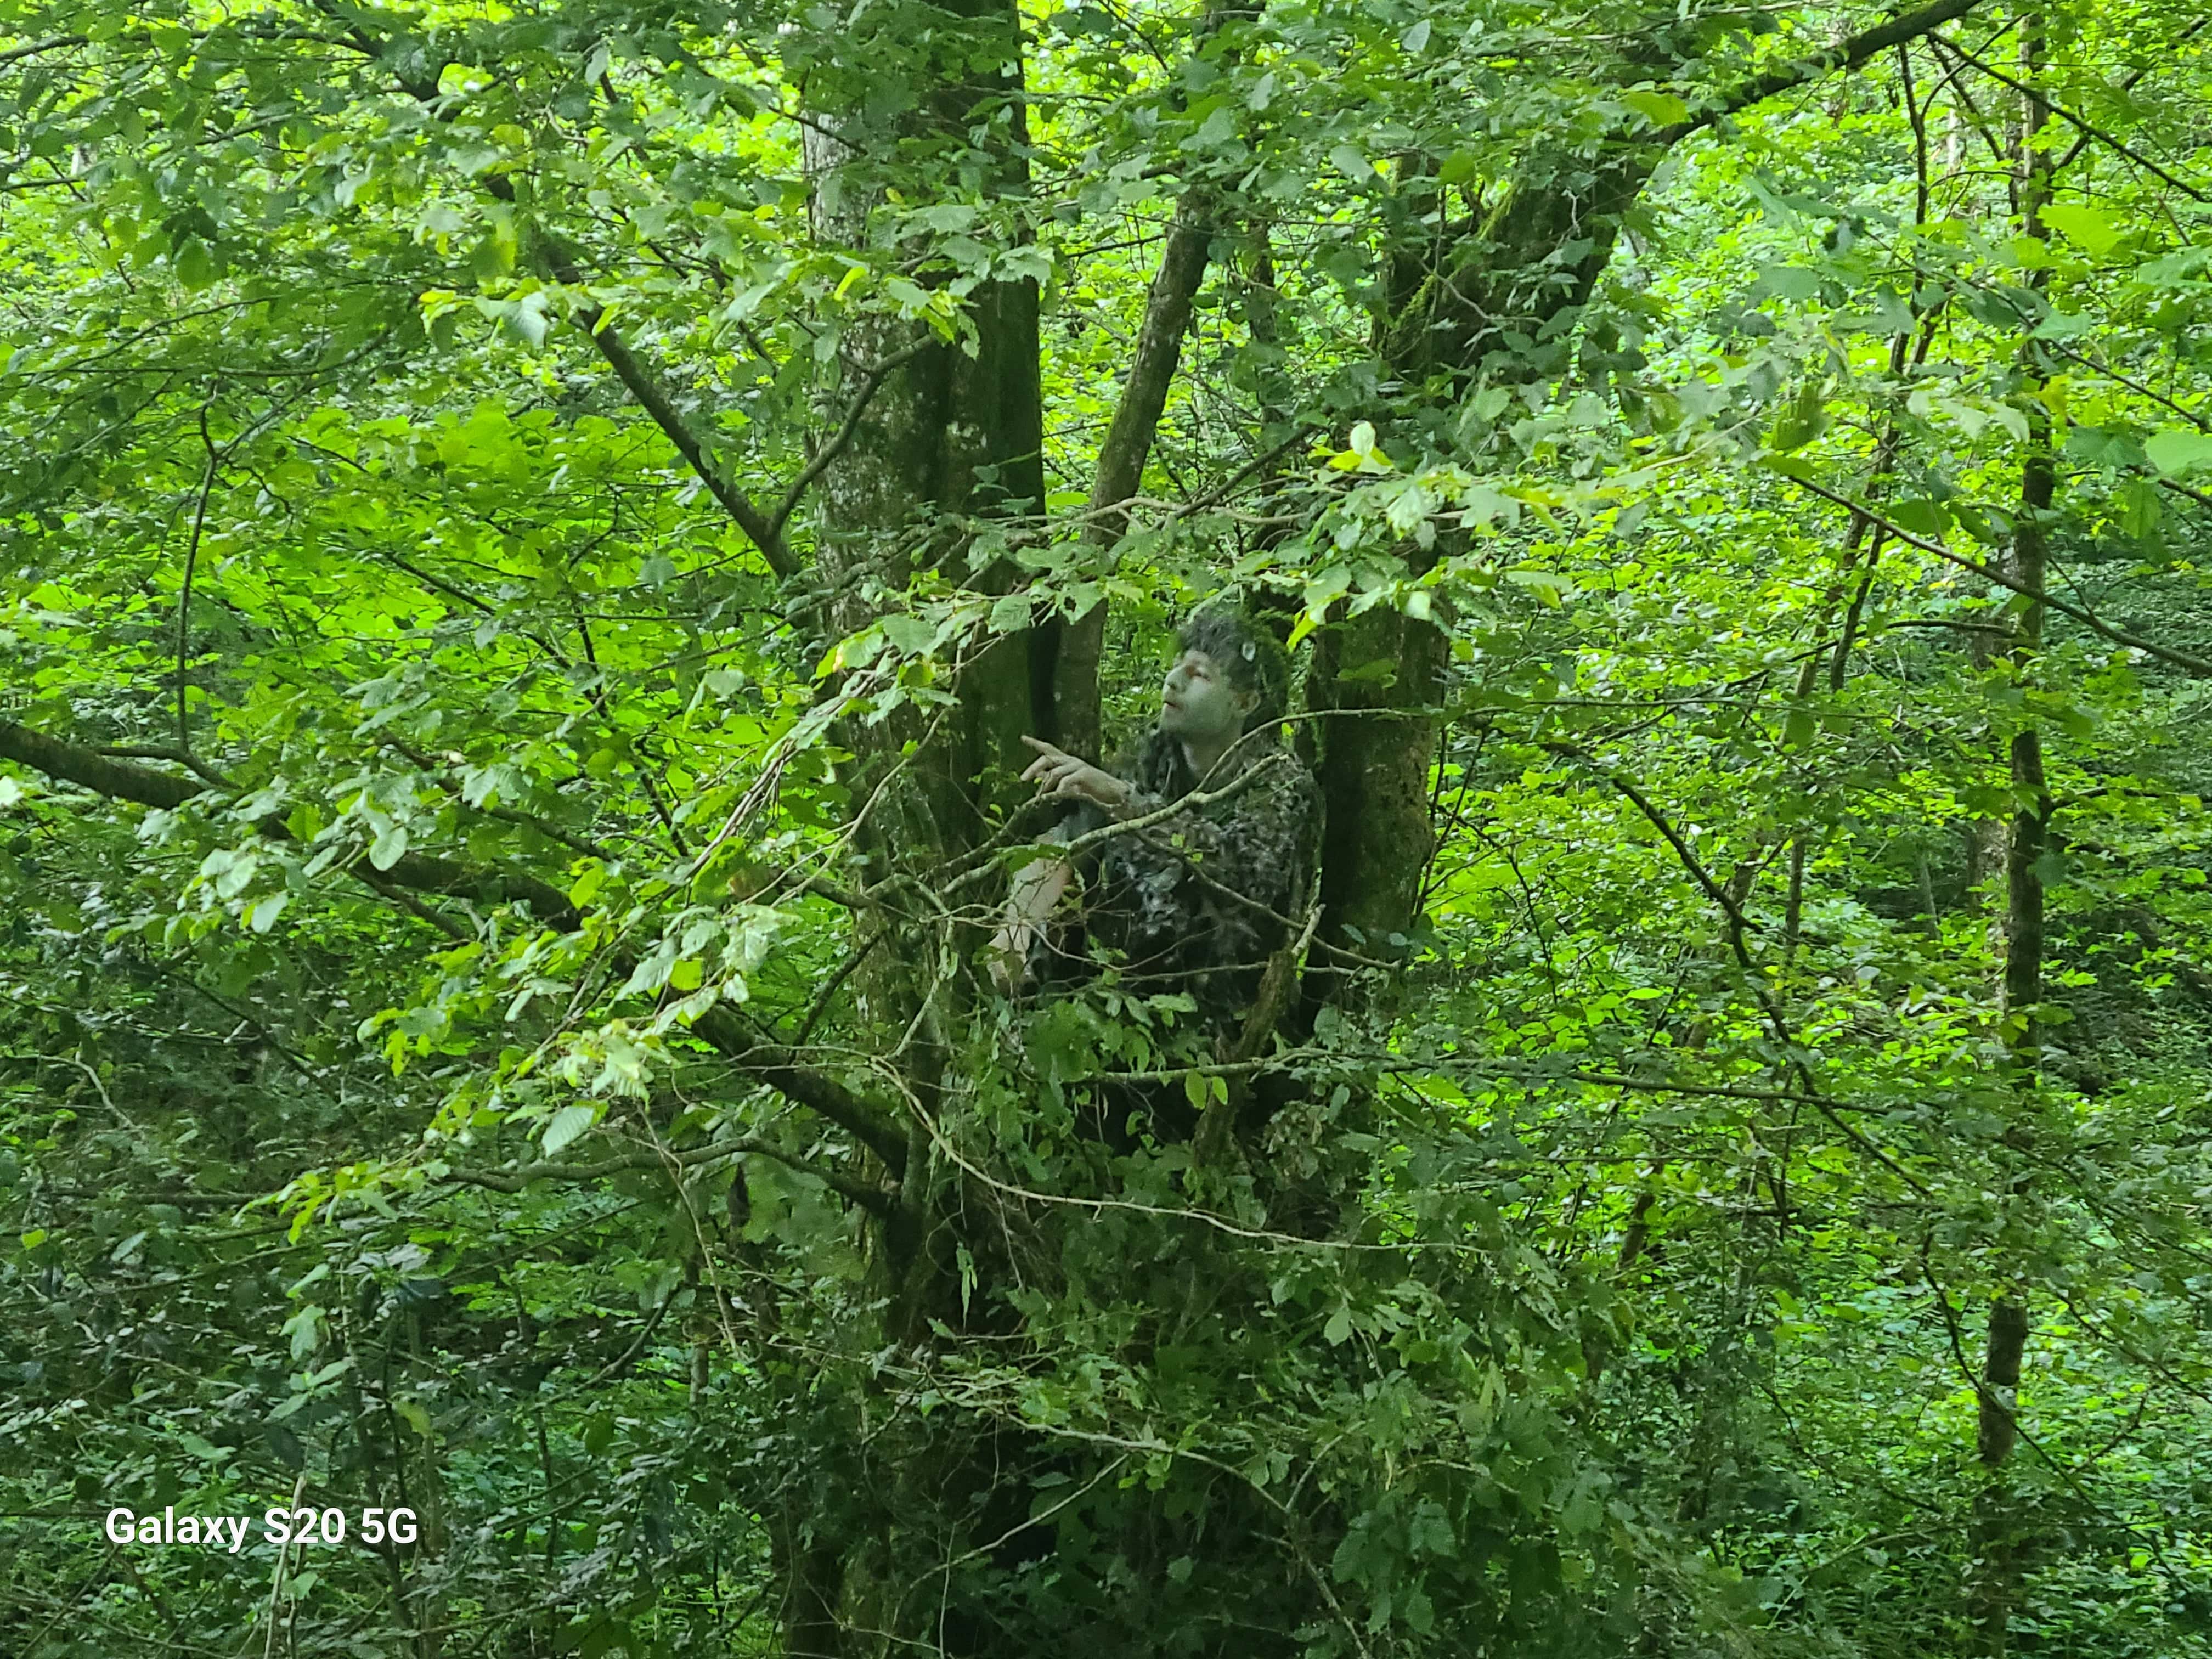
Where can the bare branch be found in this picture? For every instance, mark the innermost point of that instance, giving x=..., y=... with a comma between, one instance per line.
x=2167, y=653
x=829, y=451
x=2075, y=121
x=184, y=591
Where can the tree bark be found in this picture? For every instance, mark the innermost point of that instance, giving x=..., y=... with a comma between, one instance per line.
x=947, y=439
x=946, y=435
x=1377, y=740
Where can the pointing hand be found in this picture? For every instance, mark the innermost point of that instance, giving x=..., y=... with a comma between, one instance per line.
x=1068, y=777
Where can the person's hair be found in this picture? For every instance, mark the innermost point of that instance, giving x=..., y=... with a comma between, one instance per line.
x=1254, y=658
x=1255, y=661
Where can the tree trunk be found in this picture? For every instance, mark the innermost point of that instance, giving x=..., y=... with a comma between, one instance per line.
x=1489, y=302
x=947, y=438
x=1997, y=1520
x=1377, y=740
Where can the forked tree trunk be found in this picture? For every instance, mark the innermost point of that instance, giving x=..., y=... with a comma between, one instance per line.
x=1486, y=304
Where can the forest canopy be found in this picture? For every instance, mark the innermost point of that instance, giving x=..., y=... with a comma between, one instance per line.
x=534, y=532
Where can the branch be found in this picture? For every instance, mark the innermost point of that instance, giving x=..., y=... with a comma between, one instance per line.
x=163, y=752
x=1128, y=441
x=1848, y=54
x=414, y=906
x=654, y=398
x=2128, y=85
x=184, y=592
x=2076, y=122
x=872, y=1199
x=1122, y=456
x=829, y=451
x=777, y=1067
x=1739, y=929
x=52, y=43
x=423, y=872
x=591, y=317
x=2183, y=660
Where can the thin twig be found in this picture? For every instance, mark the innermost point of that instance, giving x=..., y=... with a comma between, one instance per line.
x=2195, y=664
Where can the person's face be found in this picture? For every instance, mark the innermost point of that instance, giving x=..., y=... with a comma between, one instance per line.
x=1198, y=703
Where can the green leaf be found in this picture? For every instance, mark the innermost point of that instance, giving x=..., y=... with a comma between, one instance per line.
x=1218, y=128
x=2178, y=451
x=194, y=263
x=2141, y=510
x=527, y=321
x=1431, y=1531
x=1792, y=282
x=305, y=1328
x=389, y=847
x=2089, y=229
x=1028, y=261
x=1661, y=109
x=565, y=1125
x=1352, y=161
x=1803, y=419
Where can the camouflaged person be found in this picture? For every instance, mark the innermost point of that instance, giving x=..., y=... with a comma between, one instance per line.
x=1199, y=899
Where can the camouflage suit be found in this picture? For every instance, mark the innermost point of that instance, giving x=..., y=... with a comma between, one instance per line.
x=1200, y=901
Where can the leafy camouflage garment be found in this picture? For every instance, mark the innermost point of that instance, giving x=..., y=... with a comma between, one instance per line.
x=1200, y=901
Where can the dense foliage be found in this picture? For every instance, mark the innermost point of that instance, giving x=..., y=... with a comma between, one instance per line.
x=532, y=533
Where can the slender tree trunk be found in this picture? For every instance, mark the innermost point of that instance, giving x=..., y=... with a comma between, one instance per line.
x=1122, y=461
x=1996, y=1430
